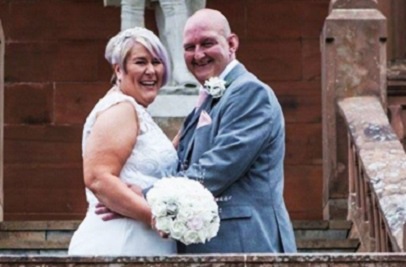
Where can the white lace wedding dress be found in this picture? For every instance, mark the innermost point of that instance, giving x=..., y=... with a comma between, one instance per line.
x=152, y=157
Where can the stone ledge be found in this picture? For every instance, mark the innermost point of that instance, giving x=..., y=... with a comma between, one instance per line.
x=33, y=244
x=281, y=260
x=347, y=244
x=322, y=225
x=38, y=225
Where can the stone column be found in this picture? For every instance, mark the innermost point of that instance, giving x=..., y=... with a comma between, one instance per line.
x=353, y=47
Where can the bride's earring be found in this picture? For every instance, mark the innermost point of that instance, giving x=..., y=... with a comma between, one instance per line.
x=119, y=84
x=119, y=76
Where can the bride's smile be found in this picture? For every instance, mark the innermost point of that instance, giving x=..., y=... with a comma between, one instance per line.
x=142, y=76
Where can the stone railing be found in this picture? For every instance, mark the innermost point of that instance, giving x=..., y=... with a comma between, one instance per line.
x=342, y=260
x=377, y=176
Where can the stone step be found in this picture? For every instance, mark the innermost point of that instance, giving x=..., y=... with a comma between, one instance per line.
x=330, y=246
x=330, y=230
x=52, y=237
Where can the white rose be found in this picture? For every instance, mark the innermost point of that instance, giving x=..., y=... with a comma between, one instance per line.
x=191, y=237
x=172, y=207
x=178, y=228
x=216, y=92
x=213, y=228
x=185, y=213
x=163, y=224
x=159, y=209
x=215, y=87
x=195, y=223
x=206, y=215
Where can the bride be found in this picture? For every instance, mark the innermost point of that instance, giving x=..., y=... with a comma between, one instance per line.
x=122, y=146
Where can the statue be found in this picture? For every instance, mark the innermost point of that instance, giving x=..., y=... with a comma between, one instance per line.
x=171, y=16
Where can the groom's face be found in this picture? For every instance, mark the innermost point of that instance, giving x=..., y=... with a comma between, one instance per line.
x=206, y=49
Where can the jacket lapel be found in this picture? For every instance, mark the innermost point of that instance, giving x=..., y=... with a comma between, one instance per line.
x=192, y=118
x=192, y=126
x=191, y=121
x=238, y=70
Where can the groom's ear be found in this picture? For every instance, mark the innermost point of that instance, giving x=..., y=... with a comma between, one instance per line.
x=233, y=43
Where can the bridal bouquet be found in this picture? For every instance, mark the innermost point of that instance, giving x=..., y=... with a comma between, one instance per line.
x=184, y=209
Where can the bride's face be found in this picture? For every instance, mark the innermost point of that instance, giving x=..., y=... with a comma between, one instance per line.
x=143, y=75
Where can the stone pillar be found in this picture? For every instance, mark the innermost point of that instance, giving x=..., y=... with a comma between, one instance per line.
x=353, y=48
x=2, y=48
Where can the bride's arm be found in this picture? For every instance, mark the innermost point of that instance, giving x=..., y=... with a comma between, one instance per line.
x=108, y=147
x=106, y=214
x=175, y=140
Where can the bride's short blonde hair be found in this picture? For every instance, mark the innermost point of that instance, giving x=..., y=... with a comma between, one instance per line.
x=118, y=47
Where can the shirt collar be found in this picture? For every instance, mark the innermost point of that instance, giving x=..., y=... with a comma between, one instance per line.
x=229, y=67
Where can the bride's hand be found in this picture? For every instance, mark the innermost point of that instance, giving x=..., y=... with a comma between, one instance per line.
x=105, y=213
x=153, y=226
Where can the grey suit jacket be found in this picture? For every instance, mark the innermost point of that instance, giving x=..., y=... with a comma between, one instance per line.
x=239, y=158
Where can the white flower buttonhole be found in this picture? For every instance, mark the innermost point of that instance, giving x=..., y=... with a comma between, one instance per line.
x=215, y=87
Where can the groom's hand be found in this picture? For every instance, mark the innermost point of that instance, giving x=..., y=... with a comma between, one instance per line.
x=105, y=213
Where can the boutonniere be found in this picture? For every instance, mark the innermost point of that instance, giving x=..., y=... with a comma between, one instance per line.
x=215, y=87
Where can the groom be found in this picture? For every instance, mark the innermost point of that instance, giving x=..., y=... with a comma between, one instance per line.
x=235, y=144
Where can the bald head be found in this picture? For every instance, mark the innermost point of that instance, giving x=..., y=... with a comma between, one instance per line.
x=208, y=43
x=209, y=19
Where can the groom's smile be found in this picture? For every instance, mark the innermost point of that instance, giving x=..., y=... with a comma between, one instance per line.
x=207, y=50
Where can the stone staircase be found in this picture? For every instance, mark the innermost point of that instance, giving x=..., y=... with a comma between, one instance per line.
x=325, y=237
x=51, y=238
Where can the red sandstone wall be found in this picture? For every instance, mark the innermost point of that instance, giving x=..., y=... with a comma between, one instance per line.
x=55, y=72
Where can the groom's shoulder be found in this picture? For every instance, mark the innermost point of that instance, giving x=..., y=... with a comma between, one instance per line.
x=249, y=83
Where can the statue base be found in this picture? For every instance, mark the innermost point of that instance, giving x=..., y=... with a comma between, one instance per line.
x=171, y=106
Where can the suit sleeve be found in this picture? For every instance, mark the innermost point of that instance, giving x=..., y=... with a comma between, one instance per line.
x=245, y=127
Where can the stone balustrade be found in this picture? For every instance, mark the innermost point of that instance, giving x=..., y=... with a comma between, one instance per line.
x=377, y=174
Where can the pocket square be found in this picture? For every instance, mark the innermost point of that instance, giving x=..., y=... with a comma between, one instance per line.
x=204, y=119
